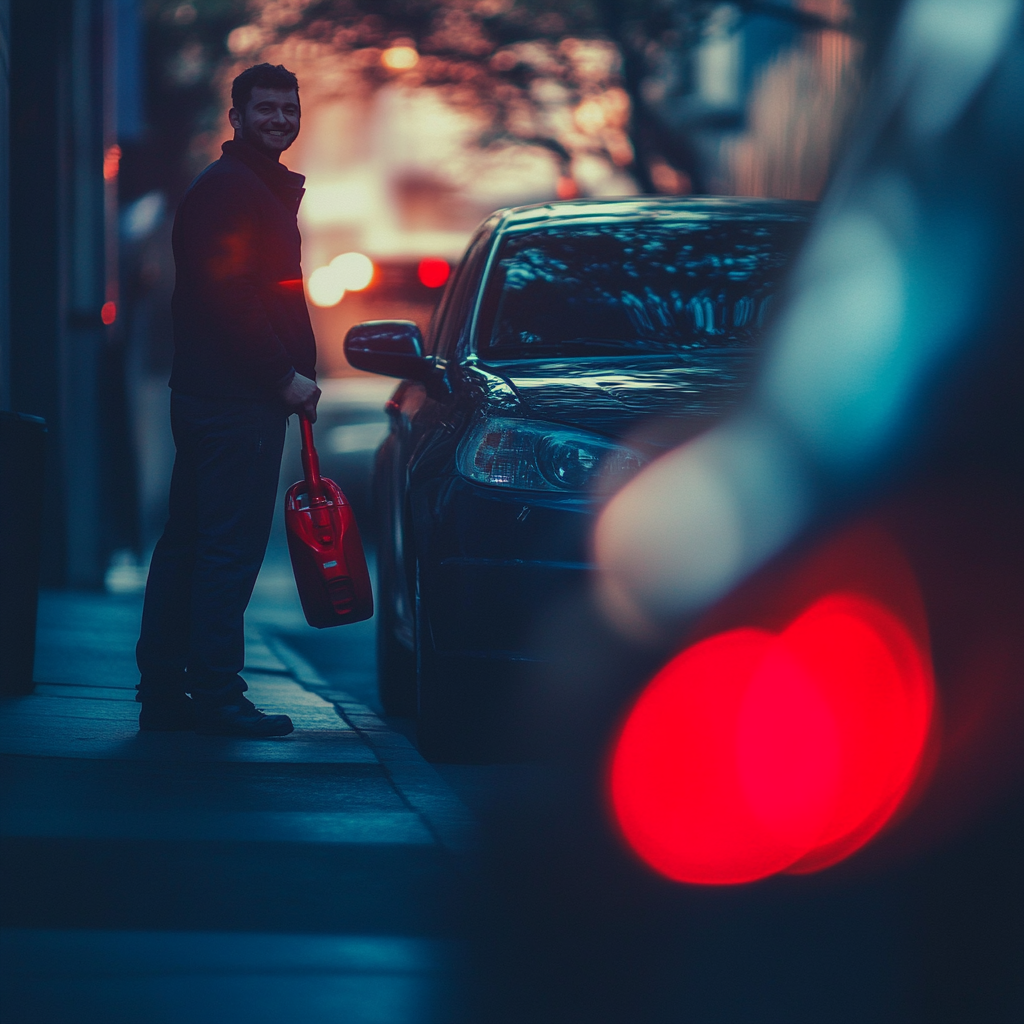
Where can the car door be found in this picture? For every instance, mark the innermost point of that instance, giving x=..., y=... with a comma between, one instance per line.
x=418, y=415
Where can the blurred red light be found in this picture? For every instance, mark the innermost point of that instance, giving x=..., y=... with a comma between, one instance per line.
x=878, y=684
x=566, y=188
x=108, y=313
x=111, y=163
x=752, y=753
x=432, y=272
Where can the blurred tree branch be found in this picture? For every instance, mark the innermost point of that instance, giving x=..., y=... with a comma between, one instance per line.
x=601, y=77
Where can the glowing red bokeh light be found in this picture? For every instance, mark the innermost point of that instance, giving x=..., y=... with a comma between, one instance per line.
x=433, y=272
x=566, y=188
x=111, y=162
x=752, y=752
x=108, y=313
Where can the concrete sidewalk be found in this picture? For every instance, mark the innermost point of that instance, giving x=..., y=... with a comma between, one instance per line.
x=176, y=877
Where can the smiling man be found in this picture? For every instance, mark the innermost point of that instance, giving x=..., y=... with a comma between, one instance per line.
x=244, y=359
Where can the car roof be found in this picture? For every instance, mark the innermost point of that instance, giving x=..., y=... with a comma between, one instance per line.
x=668, y=207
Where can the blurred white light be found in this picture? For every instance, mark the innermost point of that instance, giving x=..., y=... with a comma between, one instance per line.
x=719, y=59
x=589, y=116
x=340, y=202
x=846, y=343
x=945, y=49
x=325, y=287
x=400, y=58
x=354, y=270
x=143, y=216
x=666, y=547
x=124, y=575
x=244, y=39
x=681, y=533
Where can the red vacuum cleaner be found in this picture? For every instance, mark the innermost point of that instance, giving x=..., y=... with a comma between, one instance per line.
x=326, y=549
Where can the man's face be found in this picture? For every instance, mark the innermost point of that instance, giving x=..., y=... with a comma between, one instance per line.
x=270, y=121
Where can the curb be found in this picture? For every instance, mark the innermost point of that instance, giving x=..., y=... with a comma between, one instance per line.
x=415, y=779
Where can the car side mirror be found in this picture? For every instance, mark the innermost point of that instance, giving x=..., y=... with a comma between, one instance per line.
x=390, y=347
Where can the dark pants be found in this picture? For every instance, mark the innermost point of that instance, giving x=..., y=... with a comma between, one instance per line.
x=223, y=491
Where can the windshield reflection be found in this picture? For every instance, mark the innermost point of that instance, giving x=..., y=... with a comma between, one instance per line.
x=607, y=289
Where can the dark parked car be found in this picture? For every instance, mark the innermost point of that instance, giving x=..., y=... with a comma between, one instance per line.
x=574, y=343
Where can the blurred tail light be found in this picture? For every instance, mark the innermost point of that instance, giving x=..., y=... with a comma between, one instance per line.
x=432, y=272
x=787, y=743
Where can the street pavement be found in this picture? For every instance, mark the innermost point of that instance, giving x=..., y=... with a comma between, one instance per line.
x=175, y=877
x=333, y=875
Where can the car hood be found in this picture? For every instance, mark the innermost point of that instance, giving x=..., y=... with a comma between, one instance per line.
x=611, y=395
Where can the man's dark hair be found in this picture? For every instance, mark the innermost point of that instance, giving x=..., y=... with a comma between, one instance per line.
x=261, y=76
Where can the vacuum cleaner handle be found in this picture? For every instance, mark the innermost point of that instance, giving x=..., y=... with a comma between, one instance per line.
x=310, y=462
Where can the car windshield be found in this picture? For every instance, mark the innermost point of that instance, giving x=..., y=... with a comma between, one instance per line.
x=640, y=286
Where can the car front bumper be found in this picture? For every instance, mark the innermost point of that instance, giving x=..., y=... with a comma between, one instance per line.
x=494, y=563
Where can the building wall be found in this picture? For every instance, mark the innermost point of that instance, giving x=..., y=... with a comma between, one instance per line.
x=5, y=76
x=61, y=263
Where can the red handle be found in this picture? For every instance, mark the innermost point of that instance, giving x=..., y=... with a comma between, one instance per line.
x=310, y=462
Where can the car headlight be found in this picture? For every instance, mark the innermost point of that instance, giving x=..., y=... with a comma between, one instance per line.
x=533, y=456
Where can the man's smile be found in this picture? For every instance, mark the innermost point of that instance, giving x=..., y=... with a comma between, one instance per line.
x=270, y=120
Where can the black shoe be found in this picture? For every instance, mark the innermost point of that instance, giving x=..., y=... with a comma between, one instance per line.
x=242, y=718
x=171, y=713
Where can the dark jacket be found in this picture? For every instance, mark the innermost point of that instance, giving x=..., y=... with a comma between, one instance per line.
x=241, y=327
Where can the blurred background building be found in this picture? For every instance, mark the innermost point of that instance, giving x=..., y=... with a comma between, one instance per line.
x=418, y=120
x=69, y=65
